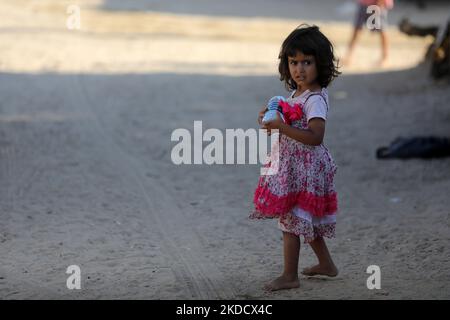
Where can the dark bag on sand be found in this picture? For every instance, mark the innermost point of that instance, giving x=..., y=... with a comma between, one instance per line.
x=416, y=147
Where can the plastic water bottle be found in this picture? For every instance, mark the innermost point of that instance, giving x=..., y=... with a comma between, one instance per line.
x=273, y=107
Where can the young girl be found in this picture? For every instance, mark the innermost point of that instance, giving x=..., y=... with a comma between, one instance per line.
x=301, y=194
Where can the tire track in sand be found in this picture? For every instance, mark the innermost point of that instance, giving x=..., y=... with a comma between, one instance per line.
x=183, y=248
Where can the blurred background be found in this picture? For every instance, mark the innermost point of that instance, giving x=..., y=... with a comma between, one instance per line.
x=156, y=32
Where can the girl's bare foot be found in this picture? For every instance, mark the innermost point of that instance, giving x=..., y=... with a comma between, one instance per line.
x=319, y=270
x=383, y=62
x=282, y=282
x=346, y=61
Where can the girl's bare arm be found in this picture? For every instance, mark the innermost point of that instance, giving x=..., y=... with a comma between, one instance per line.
x=312, y=136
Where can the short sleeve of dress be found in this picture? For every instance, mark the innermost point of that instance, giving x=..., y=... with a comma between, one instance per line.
x=316, y=107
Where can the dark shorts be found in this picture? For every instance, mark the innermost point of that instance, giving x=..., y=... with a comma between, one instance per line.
x=369, y=20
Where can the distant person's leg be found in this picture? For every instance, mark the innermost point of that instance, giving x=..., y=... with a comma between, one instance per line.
x=384, y=38
x=360, y=20
x=384, y=48
x=351, y=46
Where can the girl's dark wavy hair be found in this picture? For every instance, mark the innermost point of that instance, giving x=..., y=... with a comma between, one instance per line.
x=309, y=41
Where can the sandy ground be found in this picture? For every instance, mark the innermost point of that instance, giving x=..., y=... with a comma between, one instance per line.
x=87, y=179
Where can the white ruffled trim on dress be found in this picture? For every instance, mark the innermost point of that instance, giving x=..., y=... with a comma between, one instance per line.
x=302, y=223
x=300, y=213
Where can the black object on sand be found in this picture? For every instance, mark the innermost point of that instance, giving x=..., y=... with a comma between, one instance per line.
x=416, y=147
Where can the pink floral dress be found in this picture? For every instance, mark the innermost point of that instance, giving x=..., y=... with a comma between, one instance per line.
x=301, y=194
